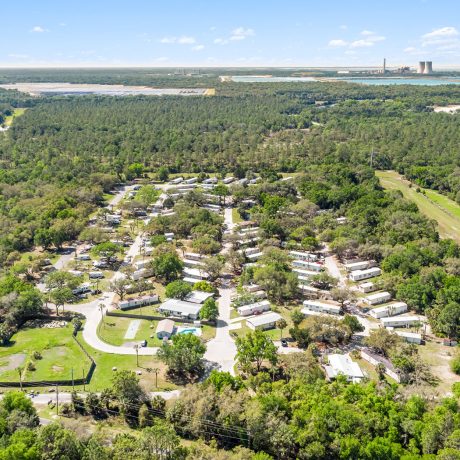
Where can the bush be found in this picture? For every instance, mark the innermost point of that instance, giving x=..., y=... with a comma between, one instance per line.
x=31, y=366
x=455, y=365
x=37, y=355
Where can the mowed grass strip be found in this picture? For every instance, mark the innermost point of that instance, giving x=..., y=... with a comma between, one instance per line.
x=445, y=212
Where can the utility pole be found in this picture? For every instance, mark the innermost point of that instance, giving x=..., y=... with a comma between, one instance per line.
x=156, y=370
x=101, y=309
x=136, y=347
x=20, y=377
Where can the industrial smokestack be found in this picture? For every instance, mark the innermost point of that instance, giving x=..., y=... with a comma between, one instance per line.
x=428, y=67
x=421, y=67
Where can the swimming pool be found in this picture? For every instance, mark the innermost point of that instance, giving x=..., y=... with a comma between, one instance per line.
x=189, y=330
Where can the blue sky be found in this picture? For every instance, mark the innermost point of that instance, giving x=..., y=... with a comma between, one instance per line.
x=229, y=33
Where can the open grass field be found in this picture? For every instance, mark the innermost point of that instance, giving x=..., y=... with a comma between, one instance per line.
x=17, y=113
x=236, y=216
x=59, y=354
x=434, y=205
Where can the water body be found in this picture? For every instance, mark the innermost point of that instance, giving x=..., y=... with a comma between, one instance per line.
x=400, y=81
x=363, y=81
x=269, y=79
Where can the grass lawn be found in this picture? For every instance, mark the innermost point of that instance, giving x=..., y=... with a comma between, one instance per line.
x=59, y=353
x=114, y=329
x=105, y=362
x=236, y=216
x=446, y=212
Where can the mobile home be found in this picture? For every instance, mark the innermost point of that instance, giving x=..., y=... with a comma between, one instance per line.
x=359, y=275
x=391, y=309
x=322, y=307
x=377, y=298
x=401, y=321
x=254, y=308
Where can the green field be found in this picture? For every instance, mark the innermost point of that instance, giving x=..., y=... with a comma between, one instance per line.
x=434, y=205
x=59, y=351
x=17, y=113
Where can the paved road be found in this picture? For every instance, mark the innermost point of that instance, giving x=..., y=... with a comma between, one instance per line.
x=44, y=398
x=222, y=350
x=332, y=267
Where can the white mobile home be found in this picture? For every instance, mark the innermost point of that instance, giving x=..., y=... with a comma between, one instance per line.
x=262, y=322
x=198, y=296
x=228, y=180
x=361, y=265
x=95, y=275
x=307, y=265
x=180, y=308
x=410, y=337
x=142, y=264
x=142, y=273
x=252, y=287
x=303, y=272
x=176, y=181
x=300, y=255
x=194, y=256
x=195, y=273
x=391, y=309
x=366, y=287
x=359, y=275
x=254, y=308
x=377, y=298
x=401, y=321
x=138, y=302
x=322, y=307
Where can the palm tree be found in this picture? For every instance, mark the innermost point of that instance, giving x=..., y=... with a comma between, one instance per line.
x=281, y=324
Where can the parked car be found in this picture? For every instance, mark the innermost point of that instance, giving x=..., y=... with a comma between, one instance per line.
x=284, y=343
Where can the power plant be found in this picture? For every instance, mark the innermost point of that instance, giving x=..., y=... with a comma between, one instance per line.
x=425, y=67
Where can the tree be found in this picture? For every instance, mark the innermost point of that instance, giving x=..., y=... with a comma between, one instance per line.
x=107, y=249
x=297, y=317
x=382, y=340
x=222, y=191
x=147, y=195
x=184, y=356
x=209, y=310
x=279, y=285
x=167, y=266
x=342, y=295
x=163, y=174
x=61, y=296
x=61, y=279
x=281, y=324
x=236, y=260
x=120, y=286
x=178, y=289
x=57, y=443
x=353, y=323
x=204, y=286
x=255, y=348
x=145, y=416
x=323, y=281
x=213, y=266
x=93, y=235
x=127, y=390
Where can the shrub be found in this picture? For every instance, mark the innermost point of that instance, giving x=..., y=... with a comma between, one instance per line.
x=31, y=366
x=37, y=355
x=455, y=365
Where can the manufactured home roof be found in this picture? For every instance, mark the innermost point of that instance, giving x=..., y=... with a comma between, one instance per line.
x=181, y=306
x=266, y=318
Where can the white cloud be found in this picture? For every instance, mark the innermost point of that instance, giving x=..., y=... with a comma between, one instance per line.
x=337, y=43
x=38, y=29
x=18, y=56
x=183, y=40
x=240, y=33
x=361, y=44
x=198, y=48
x=441, y=33
x=438, y=42
x=369, y=39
